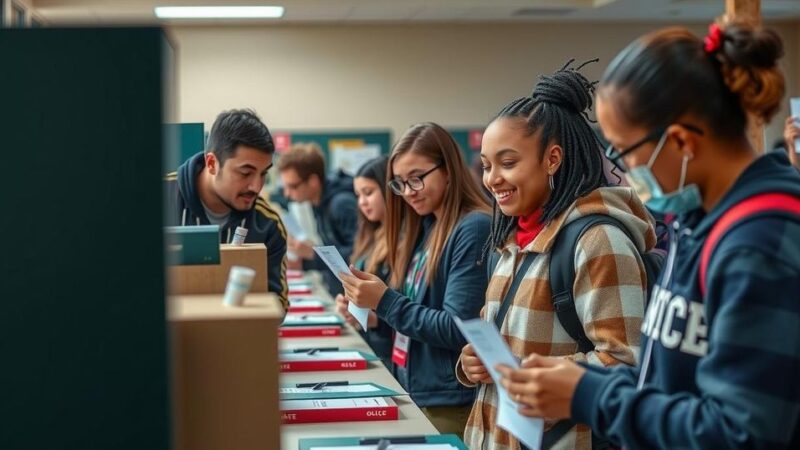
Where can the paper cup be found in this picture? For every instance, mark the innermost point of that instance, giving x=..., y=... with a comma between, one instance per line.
x=239, y=281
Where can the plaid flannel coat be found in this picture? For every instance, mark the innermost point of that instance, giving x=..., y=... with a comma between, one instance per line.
x=609, y=291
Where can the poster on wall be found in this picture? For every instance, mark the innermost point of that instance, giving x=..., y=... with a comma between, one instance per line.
x=349, y=155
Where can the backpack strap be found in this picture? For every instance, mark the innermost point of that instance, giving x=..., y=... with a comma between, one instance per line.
x=562, y=274
x=516, y=280
x=750, y=207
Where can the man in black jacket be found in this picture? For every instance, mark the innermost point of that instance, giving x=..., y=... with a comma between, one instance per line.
x=221, y=187
x=302, y=171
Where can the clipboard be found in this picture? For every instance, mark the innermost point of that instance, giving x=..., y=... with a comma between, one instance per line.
x=312, y=443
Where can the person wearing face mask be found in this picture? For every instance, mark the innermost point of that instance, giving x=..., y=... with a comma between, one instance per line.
x=436, y=222
x=721, y=360
x=369, y=250
x=545, y=168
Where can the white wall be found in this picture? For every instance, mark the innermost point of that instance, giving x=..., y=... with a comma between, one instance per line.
x=377, y=76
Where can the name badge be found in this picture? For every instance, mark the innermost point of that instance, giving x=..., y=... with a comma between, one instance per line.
x=400, y=350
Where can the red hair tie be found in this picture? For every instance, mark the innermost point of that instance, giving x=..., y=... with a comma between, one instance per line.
x=713, y=41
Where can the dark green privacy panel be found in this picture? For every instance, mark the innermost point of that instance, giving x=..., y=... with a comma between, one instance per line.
x=187, y=138
x=82, y=315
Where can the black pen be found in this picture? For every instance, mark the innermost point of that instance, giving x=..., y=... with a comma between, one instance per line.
x=316, y=349
x=395, y=440
x=322, y=384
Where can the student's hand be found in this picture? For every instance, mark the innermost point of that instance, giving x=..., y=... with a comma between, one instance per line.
x=341, y=308
x=294, y=264
x=364, y=289
x=473, y=367
x=303, y=249
x=543, y=386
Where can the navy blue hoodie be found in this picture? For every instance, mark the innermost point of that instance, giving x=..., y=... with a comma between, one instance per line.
x=724, y=370
x=262, y=222
x=336, y=217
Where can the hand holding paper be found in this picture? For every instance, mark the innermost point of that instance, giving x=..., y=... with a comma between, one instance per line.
x=493, y=351
x=544, y=386
x=333, y=259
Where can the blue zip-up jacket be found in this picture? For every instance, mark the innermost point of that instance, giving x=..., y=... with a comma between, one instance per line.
x=336, y=217
x=263, y=224
x=457, y=290
x=724, y=370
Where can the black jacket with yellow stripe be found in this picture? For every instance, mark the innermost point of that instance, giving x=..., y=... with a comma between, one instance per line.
x=262, y=222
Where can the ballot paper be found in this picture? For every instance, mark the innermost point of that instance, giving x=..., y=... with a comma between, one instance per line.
x=356, y=388
x=492, y=350
x=293, y=227
x=333, y=259
x=294, y=320
x=322, y=356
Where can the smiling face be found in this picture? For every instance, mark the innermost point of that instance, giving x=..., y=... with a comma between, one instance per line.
x=239, y=180
x=430, y=199
x=370, y=198
x=514, y=169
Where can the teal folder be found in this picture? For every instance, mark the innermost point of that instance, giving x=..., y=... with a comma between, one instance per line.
x=311, y=443
x=192, y=245
x=367, y=356
x=376, y=390
x=309, y=320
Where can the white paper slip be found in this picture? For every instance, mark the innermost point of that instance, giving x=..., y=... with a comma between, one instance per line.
x=332, y=389
x=333, y=259
x=391, y=447
x=492, y=350
x=293, y=227
x=307, y=303
x=300, y=285
x=795, y=106
x=317, y=319
x=336, y=403
x=321, y=356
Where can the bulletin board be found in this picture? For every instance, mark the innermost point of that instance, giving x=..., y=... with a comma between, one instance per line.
x=380, y=140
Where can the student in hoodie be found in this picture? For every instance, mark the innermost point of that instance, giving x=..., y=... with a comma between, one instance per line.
x=369, y=251
x=302, y=172
x=721, y=359
x=544, y=166
x=222, y=185
x=437, y=220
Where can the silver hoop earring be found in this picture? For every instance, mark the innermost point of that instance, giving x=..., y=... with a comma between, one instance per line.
x=550, y=181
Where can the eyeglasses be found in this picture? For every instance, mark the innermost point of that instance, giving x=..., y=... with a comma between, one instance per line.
x=414, y=183
x=615, y=155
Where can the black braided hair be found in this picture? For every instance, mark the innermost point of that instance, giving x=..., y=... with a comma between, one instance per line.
x=558, y=107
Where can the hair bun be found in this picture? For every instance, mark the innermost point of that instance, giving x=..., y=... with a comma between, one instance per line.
x=749, y=58
x=567, y=88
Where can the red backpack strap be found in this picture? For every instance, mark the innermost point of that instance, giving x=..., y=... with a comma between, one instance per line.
x=751, y=206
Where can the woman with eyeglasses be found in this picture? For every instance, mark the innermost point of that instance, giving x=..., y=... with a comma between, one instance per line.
x=436, y=222
x=721, y=336
x=544, y=166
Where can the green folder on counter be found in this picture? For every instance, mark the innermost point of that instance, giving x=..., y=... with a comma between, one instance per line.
x=333, y=389
x=440, y=442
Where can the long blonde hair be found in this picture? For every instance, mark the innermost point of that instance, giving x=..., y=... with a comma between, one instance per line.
x=403, y=225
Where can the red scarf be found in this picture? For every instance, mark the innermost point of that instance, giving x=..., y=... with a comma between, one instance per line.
x=528, y=227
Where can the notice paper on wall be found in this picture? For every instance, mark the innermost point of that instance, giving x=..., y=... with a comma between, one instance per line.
x=333, y=259
x=492, y=350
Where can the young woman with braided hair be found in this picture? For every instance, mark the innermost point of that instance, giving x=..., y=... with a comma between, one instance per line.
x=544, y=166
x=721, y=337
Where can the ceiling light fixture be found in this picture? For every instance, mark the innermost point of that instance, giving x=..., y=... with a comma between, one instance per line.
x=219, y=12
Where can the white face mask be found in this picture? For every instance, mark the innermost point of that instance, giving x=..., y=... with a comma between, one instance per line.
x=642, y=180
